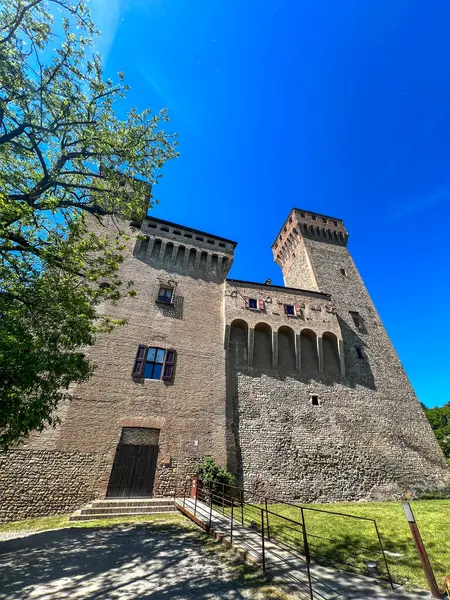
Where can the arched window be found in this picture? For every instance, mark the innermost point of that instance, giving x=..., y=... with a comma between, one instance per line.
x=181, y=255
x=225, y=263
x=305, y=227
x=168, y=254
x=286, y=349
x=192, y=258
x=331, y=362
x=308, y=346
x=156, y=249
x=239, y=342
x=262, y=351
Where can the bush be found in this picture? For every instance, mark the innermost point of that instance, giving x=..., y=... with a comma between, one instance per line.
x=212, y=474
x=443, y=494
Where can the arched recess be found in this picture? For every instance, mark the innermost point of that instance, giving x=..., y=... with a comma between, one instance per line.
x=225, y=263
x=331, y=363
x=156, y=249
x=214, y=263
x=203, y=260
x=168, y=253
x=309, y=358
x=286, y=349
x=262, y=351
x=192, y=258
x=181, y=255
x=239, y=342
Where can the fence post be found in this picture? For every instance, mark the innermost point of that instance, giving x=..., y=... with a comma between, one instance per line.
x=210, y=510
x=184, y=493
x=231, y=525
x=267, y=518
x=307, y=555
x=223, y=500
x=195, y=503
x=262, y=542
x=421, y=550
x=242, y=507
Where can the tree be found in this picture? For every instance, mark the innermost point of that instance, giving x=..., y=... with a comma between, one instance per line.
x=439, y=418
x=212, y=474
x=64, y=155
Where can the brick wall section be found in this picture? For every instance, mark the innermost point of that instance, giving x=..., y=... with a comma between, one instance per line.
x=44, y=483
x=191, y=408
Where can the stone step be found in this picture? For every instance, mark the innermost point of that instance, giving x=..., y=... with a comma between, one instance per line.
x=126, y=510
x=77, y=516
x=123, y=502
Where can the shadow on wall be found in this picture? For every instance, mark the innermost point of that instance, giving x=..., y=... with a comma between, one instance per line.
x=357, y=366
x=358, y=371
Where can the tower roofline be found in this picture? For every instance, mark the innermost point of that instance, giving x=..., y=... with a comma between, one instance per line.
x=199, y=231
x=305, y=212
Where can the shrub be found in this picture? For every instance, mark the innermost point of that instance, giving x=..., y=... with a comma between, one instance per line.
x=442, y=494
x=212, y=474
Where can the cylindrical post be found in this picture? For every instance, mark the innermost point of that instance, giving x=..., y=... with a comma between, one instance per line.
x=421, y=550
x=242, y=507
x=184, y=493
x=267, y=518
x=223, y=500
x=232, y=515
x=262, y=542
x=307, y=556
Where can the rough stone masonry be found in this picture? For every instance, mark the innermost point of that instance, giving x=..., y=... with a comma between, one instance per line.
x=297, y=389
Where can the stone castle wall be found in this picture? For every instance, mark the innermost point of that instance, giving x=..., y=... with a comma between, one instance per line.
x=71, y=463
x=368, y=436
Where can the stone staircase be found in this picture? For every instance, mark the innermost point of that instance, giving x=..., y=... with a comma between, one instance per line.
x=118, y=507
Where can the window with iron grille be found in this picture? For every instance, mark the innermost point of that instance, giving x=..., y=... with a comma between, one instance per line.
x=152, y=362
x=165, y=294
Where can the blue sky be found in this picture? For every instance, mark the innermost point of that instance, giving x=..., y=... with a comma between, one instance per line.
x=337, y=107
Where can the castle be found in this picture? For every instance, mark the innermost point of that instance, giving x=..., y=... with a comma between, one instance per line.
x=296, y=389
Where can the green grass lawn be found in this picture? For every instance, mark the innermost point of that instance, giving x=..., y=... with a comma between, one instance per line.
x=349, y=543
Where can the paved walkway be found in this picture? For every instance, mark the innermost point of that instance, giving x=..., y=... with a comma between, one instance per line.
x=127, y=562
x=327, y=584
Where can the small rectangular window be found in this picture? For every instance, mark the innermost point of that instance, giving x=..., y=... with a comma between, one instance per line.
x=165, y=295
x=165, y=229
x=358, y=321
x=289, y=310
x=344, y=272
x=253, y=303
x=199, y=238
x=222, y=245
x=313, y=217
x=359, y=352
x=315, y=400
x=188, y=235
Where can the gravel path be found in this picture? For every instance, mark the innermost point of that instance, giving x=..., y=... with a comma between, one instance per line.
x=154, y=562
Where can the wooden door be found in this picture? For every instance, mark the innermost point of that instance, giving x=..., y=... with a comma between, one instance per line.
x=133, y=472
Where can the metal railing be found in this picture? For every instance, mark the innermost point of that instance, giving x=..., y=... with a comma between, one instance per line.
x=306, y=537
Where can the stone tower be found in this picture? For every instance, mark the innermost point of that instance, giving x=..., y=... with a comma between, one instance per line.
x=320, y=406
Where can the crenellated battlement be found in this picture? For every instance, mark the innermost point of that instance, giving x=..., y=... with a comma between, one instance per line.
x=305, y=224
x=189, y=251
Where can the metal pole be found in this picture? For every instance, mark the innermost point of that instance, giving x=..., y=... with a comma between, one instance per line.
x=307, y=556
x=262, y=542
x=421, y=550
x=384, y=555
x=242, y=507
x=184, y=493
x=210, y=511
x=195, y=503
x=223, y=501
x=267, y=517
x=232, y=514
